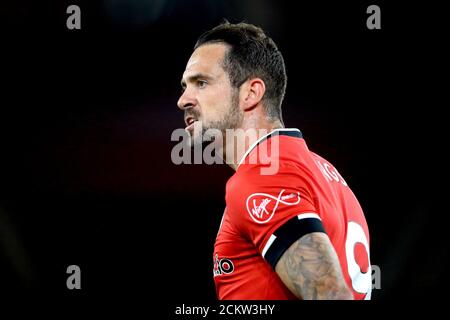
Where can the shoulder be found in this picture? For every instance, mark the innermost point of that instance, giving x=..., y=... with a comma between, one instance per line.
x=249, y=190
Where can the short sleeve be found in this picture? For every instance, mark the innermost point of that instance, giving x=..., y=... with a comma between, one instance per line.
x=272, y=211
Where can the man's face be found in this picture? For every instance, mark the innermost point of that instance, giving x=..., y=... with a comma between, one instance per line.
x=208, y=98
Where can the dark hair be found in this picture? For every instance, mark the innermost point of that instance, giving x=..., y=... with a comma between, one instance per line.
x=252, y=54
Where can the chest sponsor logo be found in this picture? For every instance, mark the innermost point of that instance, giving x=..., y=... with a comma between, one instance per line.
x=262, y=206
x=222, y=266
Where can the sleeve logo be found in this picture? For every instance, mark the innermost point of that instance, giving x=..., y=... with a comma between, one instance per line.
x=262, y=206
x=222, y=266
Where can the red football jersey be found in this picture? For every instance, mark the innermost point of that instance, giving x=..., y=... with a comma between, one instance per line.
x=266, y=213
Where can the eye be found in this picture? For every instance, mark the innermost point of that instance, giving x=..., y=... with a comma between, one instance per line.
x=201, y=83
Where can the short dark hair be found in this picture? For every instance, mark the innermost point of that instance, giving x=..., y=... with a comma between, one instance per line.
x=252, y=54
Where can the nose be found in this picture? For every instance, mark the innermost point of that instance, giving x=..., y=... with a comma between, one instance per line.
x=186, y=100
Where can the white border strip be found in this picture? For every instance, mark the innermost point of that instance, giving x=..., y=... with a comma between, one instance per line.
x=308, y=215
x=268, y=244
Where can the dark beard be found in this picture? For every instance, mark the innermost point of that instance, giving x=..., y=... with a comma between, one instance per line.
x=231, y=120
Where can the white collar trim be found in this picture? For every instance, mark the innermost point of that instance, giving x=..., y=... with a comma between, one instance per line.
x=259, y=140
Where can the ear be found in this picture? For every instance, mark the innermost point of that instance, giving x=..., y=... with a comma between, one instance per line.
x=252, y=92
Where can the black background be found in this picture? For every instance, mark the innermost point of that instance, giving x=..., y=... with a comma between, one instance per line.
x=86, y=117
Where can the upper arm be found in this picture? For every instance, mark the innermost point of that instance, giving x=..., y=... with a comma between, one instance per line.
x=310, y=269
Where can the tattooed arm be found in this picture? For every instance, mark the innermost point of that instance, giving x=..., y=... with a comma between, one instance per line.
x=310, y=269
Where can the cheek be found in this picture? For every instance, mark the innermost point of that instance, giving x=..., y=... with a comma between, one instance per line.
x=215, y=104
x=210, y=106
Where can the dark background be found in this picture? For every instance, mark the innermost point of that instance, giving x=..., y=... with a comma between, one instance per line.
x=86, y=118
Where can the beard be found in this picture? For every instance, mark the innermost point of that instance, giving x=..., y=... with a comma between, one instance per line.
x=214, y=131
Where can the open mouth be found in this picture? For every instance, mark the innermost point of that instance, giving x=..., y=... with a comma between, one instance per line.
x=190, y=122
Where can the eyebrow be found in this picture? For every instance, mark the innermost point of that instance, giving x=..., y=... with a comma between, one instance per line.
x=195, y=77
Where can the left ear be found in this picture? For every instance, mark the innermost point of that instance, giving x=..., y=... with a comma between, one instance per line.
x=251, y=93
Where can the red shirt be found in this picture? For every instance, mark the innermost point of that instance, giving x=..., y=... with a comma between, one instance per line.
x=263, y=208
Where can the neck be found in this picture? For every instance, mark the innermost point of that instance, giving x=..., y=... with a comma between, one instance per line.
x=238, y=141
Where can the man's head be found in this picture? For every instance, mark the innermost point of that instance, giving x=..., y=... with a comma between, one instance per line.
x=233, y=69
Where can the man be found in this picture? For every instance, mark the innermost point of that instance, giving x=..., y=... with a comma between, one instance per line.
x=298, y=232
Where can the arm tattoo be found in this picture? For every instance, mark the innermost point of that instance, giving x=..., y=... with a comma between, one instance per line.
x=312, y=269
